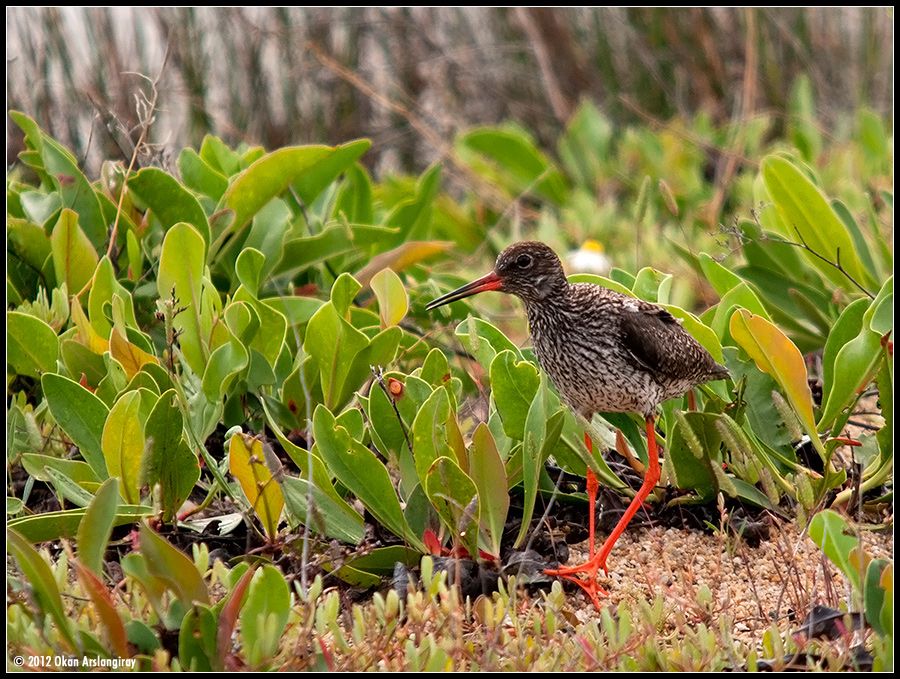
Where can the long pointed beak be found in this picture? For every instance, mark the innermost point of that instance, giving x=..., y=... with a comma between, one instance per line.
x=489, y=282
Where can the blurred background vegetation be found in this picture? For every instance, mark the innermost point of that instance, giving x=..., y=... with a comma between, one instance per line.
x=410, y=77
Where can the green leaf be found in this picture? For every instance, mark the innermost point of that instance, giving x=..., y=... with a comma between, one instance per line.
x=514, y=384
x=854, y=366
x=333, y=342
x=32, y=345
x=879, y=317
x=14, y=506
x=181, y=268
x=859, y=240
x=511, y=158
x=272, y=328
x=298, y=254
x=721, y=278
x=455, y=497
x=78, y=359
x=95, y=529
x=309, y=184
x=123, y=444
x=829, y=531
x=358, y=469
x=200, y=175
x=62, y=171
x=65, y=524
x=874, y=595
x=695, y=429
x=392, y=300
x=217, y=155
x=484, y=341
x=389, y=430
x=229, y=359
x=74, y=257
x=28, y=249
x=354, y=199
x=803, y=128
x=429, y=433
x=752, y=494
x=412, y=217
x=172, y=567
x=435, y=369
x=803, y=206
x=81, y=415
x=851, y=354
x=264, y=615
x=321, y=478
x=169, y=461
x=43, y=584
x=382, y=560
x=652, y=285
x=79, y=472
x=489, y=475
x=197, y=640
x=169, y=201
x=542, y=431
x=103, y=286
x=309, y=168
x=249, y=463
x=585, y=144
x=75, y=493
x=248, y=269
x=329, y=517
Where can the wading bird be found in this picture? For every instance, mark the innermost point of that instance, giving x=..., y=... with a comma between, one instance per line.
x=605, y=352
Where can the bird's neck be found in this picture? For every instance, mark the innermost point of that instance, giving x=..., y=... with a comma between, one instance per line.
x=549, y=309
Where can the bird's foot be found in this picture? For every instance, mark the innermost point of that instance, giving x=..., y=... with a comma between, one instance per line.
x=590, y=570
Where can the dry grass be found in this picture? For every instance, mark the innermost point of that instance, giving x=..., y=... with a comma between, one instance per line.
x=245, y=73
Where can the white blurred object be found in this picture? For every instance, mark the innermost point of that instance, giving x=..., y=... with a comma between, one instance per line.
x=589, y=259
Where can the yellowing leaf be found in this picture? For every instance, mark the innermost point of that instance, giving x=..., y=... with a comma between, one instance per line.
x=86, y=334
x=123, y=444
x=401, y=257
x=247, y=462
x=775, y=354
x=74, y=257
x=392, y=300
x=130, y=356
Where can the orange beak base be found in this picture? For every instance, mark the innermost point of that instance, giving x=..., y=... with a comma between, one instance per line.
x=489, y=282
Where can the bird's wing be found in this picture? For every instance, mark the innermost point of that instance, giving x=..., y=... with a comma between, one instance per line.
x=653, y=338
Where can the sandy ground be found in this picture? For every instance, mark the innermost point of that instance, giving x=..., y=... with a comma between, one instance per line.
x=780, y=580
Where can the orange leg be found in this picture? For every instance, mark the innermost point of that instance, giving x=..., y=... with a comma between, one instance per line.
x=598, y=561
x=592, y=487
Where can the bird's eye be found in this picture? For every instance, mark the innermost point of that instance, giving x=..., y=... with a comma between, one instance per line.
x=523, y=261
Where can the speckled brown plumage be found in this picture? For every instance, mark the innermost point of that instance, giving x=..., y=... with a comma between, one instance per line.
x=604, y=351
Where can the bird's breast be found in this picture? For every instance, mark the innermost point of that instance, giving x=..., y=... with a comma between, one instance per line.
x=585, y=361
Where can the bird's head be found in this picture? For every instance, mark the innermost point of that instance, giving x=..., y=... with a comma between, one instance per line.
x=529, y=270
